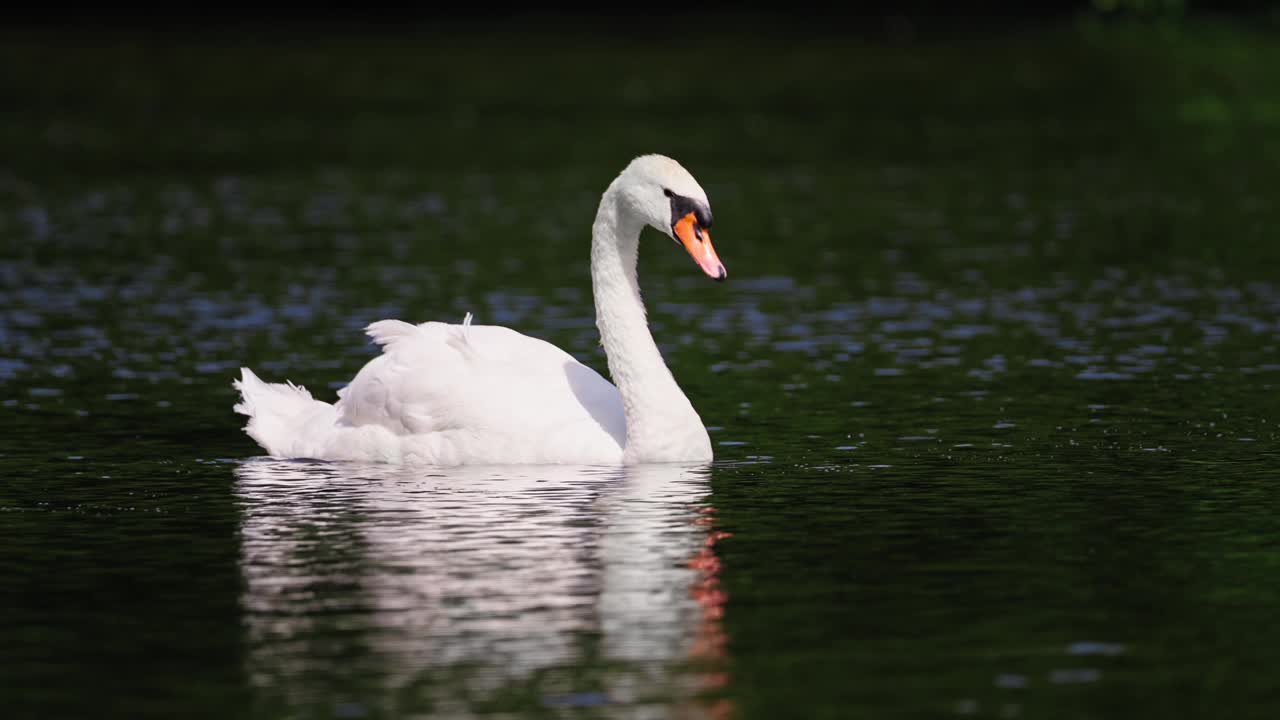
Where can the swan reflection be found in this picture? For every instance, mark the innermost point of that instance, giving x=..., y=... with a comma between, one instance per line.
x=372, y=589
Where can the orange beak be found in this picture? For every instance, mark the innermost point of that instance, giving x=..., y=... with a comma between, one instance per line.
x=697, y=241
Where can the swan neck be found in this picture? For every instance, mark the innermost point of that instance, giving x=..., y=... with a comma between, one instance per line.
x=656, y=409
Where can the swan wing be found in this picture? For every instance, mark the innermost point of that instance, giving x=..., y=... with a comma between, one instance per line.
x=483, y=389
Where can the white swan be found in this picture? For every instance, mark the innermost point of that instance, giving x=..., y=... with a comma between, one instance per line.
x=458, y=394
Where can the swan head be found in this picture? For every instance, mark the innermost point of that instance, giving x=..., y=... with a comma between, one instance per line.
x=665, y=196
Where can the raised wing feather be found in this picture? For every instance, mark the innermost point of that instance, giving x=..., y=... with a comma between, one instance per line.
x=484, y=379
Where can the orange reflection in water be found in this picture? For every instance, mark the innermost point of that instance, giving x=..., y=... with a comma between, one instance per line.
x=710, y=642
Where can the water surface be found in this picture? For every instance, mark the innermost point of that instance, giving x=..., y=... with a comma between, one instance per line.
x=991, y=385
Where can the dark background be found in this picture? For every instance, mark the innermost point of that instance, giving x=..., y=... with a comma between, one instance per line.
x=658, y=18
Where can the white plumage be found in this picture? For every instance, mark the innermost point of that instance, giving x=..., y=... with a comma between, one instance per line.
x=456, y=394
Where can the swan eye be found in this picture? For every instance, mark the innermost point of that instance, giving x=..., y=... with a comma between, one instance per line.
x=682, y=207
x=667, y=192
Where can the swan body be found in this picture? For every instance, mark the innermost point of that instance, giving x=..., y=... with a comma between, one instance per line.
x=464, y=394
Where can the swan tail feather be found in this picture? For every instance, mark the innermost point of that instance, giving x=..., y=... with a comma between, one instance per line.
x=278, y=413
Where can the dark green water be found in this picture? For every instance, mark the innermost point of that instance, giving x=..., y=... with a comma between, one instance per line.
x=992, y=383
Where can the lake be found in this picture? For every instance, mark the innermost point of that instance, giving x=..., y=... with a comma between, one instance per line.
x=992, y=383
